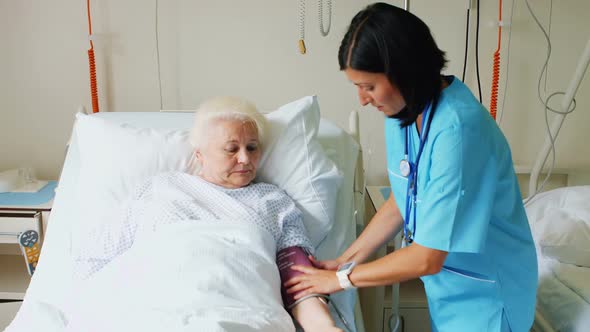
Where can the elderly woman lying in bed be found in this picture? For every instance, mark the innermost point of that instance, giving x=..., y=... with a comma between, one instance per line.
x=200, y=251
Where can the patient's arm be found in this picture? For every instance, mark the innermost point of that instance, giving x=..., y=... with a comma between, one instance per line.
x=312, y=312
x=313, y=315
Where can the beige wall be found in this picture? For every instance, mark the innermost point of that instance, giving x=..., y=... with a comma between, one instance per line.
x=249, y=48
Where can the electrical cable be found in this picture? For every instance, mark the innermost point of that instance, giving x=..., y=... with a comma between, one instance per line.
x=549, y=35
x=301, y=43
x=552, y=140
x=92, y=64
x=546, y=109
x=321, y=16
x=396, y=327
x=549, y=49
x=466, y=46
x=477, y=52
x=158, y=60
x=507, y=66
x=496, y=68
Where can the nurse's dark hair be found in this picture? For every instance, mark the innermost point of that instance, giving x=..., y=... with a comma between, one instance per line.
x=386, y=39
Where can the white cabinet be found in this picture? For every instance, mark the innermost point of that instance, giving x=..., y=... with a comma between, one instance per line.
x=14, y=222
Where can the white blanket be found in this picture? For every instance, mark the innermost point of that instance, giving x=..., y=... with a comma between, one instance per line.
x=217, y=273
x=208, y=276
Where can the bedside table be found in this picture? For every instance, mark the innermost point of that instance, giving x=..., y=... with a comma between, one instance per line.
x=20, y=212
x=401, y=307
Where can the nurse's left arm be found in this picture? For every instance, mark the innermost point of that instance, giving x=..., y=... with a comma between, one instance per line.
x=407, y=263
x=403, y=264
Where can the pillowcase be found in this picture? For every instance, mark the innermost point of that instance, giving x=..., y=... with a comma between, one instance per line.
x=560, y=223
x=294, y=160
x=117, y=158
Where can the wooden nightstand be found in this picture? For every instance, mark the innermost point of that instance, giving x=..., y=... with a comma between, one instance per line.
x=20, y=212
x=402, y=307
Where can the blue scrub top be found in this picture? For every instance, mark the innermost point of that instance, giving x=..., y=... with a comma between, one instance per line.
x=468, y=204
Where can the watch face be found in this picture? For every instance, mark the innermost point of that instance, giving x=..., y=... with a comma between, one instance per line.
x=346, y=266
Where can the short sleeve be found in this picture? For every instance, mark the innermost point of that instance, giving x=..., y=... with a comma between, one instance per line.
x=454, y=204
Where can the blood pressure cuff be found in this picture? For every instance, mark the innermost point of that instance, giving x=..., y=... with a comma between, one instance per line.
x=285, y=259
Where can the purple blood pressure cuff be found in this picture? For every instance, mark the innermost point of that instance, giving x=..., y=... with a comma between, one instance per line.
x=285, y=259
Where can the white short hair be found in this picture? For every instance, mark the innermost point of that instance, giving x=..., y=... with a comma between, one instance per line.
x=225, y=108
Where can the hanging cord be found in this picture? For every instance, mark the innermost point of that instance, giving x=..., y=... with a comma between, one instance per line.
x=507, y=66
x=321, y=16
x=496, y=68
x=158, y=60
x=302, y=26
x=546, y=109
x=549, y=36
x=92, y=63
x=477, y=52
x=466, y=45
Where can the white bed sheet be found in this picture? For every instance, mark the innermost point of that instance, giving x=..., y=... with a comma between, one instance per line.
x=53, y=275
x=563, y=295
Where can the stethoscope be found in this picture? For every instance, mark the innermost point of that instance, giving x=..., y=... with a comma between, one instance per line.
x=409, y=170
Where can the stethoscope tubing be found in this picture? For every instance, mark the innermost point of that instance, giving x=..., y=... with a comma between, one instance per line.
x=412, y=188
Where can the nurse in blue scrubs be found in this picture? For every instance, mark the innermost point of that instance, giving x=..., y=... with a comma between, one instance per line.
x=455, y=197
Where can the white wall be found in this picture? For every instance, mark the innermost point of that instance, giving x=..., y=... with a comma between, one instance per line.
x=249, y=48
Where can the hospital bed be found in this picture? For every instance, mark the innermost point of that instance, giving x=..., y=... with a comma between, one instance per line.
x=54, y=274
x=560, y=224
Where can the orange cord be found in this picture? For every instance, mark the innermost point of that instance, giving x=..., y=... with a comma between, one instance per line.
x=93, y=84
x=496, y=70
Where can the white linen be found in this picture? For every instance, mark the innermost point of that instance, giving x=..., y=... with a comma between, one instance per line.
x=169, y=197
x=37, y=316
x=216, y=273
x=562, y=296
x=206, y=276
x=53, y=276
x=560, y=223
x=294, y=160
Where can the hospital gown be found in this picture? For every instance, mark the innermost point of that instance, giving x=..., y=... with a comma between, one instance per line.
x=166, y=199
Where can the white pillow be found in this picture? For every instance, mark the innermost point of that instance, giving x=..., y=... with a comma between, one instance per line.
x=115, y=159
x=560, y=223
x=294, y=160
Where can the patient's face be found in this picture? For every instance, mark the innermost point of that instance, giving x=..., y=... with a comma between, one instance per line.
x=230, y=155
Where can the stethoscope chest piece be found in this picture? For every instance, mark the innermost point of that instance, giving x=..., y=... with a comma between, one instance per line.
x=405, y=168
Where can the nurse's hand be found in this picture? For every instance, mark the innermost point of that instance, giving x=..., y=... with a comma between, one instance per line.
x=312, y=281
x=332, y=265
